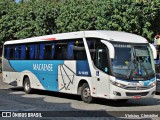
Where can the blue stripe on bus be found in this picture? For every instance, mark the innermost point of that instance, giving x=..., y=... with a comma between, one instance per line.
x=147, y=82
x=48, y=77
x=47, y=71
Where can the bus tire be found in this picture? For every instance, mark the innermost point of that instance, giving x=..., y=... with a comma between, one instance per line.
x=27, y=86
x=86, y=93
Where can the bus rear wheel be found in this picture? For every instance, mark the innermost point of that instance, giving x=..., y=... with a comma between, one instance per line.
x=27, y=86
x=86, y=93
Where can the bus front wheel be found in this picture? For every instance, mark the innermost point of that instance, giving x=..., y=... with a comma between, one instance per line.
x=86, y=93
x=27, y=85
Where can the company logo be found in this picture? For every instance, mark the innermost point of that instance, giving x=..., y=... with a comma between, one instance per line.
x=138, y=88
x=43, y=67
x=6, y=114
x=21, y=114
x=141, y=83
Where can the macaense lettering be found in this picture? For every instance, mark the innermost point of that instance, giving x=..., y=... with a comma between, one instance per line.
x=43, y=67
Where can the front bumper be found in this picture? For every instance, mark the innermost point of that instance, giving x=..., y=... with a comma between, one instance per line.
x=120, y=93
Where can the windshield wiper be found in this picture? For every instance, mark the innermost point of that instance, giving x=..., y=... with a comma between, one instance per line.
x=133, y=62
x=148, y=75
x=129, y=75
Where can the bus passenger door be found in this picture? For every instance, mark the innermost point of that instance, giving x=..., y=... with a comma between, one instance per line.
x=102, y=60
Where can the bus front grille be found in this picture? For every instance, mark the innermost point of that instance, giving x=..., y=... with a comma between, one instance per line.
x=136, y=94
x=135, y=88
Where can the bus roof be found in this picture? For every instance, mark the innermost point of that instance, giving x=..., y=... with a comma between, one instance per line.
x=116, y=36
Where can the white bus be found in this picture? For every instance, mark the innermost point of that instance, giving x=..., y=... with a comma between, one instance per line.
x=93, y=64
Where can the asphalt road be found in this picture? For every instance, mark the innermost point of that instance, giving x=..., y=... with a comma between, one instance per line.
x=15, y=99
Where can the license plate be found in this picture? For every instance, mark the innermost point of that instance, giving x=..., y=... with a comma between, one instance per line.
x=137, y=97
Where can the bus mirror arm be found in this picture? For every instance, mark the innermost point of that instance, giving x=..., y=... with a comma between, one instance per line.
x=153, y=51
x=110, y=48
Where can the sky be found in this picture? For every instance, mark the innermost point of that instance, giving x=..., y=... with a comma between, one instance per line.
x=17, y=1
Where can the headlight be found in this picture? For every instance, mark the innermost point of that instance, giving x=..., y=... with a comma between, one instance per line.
x=158, y=79
x=152, y=84
x=118, y=84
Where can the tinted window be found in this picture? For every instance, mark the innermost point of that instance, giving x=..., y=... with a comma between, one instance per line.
x=41, y=52
x=23, y=52
x=7, y=52
x=102, y=56
x=32, y=51
x=61, y=51
x=49, y=51
x=57, y=50
x=12, y=52
x=37, y=51
x=79, y=50
x=99, y=53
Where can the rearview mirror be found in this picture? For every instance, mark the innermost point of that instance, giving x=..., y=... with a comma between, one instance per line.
x=110, y=48
x=153, y=50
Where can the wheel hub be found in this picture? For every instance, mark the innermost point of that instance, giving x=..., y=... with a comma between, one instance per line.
x=27, y=86
x=86, y=92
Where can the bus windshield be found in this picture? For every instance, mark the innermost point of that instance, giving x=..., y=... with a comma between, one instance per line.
x=133, y=61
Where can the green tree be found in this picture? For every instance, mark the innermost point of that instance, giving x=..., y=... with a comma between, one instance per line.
x=7, y=20
x=40, y=17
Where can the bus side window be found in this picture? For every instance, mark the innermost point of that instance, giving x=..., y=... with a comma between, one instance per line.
x=79, y=51
x=41, y=52
x=23, y=52
x=53, y=50
x=70, y=50
x=91, y=45
x=27, y=52
x=16, y=57
x=99, y=53
x=32, y=52
x=102, y=62
x=12, y=52
x=61, y=51
x=36, y=51
x=7, y=52
x=49, y=51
